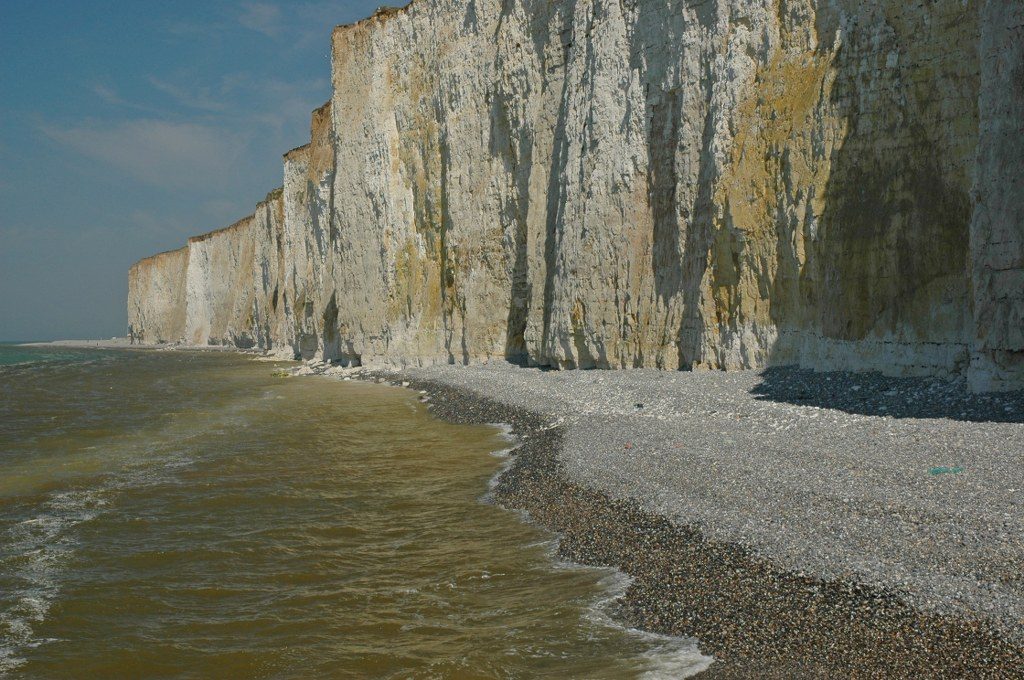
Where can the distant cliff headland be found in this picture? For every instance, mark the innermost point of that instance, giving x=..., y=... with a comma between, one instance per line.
x=595, y=183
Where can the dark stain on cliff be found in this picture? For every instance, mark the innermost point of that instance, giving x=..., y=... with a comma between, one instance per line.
x=894, y=235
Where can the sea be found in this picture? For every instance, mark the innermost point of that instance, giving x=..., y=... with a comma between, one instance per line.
x=203, y=515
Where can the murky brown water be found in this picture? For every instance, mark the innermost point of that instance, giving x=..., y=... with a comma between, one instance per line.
x=167, y=514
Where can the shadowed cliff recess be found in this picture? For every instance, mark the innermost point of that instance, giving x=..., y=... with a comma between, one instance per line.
x=592, y=183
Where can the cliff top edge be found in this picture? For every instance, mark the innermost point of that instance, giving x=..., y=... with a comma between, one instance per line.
x=244, y=222
x=381, y=14
x=318, y=112
x=299, y=150
x=157, y=256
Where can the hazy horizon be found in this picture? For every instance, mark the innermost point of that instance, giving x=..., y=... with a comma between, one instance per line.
x=128, y=127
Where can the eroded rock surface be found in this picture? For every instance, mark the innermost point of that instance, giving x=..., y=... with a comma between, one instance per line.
x=579, y=183
x=156, y=298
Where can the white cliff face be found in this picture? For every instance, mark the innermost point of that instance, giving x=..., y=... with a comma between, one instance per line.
x=307, y=243
x=267, y=320
x=156, y=298
x=619, y=184
x=218, y=291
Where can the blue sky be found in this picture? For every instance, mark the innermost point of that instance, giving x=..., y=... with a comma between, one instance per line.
x=126, y=127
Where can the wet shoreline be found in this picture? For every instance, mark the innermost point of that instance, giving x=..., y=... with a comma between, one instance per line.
x=755, y=617
x=252, y=525
x=758, y=616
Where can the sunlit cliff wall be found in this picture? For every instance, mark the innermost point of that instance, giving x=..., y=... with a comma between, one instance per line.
x=156, y=298
x=580, y=183
x=308, y=242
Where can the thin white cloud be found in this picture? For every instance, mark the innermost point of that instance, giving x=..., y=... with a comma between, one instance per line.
x=272, y=102
x=293, y=25
x=262, y=17
x=286, y=102
x=111, y=96
x=108, y=95
x=303, y=24
x=194, y=99
x=160, y=153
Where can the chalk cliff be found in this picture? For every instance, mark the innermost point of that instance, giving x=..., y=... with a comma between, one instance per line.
x=663, y=183
x=156, y=297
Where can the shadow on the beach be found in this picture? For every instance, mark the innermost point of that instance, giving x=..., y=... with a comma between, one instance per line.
x=876, y=395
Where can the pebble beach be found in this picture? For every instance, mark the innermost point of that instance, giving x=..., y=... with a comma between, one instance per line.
x=798, y=524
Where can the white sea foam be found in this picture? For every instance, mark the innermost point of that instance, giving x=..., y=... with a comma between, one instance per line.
x=40, y=548
x=666, y=657
x=506, y=432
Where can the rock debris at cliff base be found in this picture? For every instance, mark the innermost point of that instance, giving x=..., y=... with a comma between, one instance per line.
x=728, y=184
x=792, y=540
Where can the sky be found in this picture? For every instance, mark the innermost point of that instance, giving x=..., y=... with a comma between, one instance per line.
x=126, y=127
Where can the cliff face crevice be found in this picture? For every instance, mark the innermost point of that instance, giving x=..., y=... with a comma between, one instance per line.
x=596, y=183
